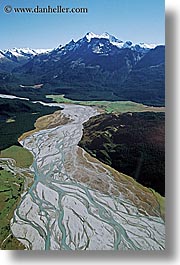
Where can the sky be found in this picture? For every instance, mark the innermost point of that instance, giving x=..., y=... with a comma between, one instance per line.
x=135, y=20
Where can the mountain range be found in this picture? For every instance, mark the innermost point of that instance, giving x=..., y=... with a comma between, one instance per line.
x=11, y=58
x=96, y=67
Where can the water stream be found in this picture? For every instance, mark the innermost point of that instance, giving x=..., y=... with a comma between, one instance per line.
x=68, y=208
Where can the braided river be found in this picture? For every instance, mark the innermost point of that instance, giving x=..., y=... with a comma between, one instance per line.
x=78, y=203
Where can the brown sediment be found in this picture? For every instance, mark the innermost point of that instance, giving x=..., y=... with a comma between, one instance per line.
x=47, y=122
x=87, y=169
x=141, y=196
x=132, y=143
x=154, y=109
x=161, y=202
x=86, y=158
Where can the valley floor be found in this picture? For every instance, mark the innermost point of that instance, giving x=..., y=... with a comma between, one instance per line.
x=78, y=203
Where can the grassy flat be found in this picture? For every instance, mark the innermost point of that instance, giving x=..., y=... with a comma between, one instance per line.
x=10, y=191
x=22, y=156
x=109, y=106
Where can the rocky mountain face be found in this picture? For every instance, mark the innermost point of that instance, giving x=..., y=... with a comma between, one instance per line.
x=12, y=58
x=98, y=67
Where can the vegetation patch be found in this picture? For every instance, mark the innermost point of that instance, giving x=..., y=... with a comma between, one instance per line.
x=109, y=106
x=47, y=122
x=161, y=201
x=10, y=191
x=132, y=143
x=24, y=114
x=21, y=155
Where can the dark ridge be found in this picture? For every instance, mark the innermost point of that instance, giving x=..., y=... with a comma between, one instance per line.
x=132, y=143
x=24, y=113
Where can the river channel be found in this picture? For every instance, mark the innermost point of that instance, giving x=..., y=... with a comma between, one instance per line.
x=75, y=202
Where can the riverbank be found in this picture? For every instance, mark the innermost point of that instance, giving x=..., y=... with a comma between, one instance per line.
x=76, y=202
x=15, y=178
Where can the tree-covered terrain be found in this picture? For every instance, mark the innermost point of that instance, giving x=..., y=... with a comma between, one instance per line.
x=132, y=143
x=18, y=116
x=95, y=70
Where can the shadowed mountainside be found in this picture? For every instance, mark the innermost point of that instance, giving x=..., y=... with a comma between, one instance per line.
x=93, y=68
x=132, y=143
x=18, y=116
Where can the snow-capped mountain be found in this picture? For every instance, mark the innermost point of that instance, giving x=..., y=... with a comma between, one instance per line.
x=119, y=43
x=116, y=69
x=104, y=45
x=11, y=58
x=23, y=52
x=99, y=44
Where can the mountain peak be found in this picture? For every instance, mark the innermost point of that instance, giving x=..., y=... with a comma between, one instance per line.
x=90, y=35
x=144, y=47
